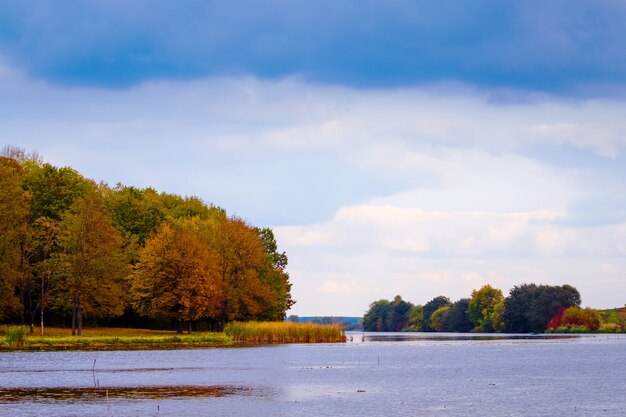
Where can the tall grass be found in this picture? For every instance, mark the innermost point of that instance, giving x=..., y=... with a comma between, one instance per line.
x=16, y=335
x=285, y=332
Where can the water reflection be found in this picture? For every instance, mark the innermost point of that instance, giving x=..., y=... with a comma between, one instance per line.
x=409, y=336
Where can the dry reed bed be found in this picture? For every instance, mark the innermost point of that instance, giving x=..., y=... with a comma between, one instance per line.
x=285, y=332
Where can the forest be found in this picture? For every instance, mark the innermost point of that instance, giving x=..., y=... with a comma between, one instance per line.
x=73, y=250
x=529, y=308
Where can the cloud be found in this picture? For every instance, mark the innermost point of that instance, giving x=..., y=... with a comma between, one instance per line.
x=403, y=191
x=347, y=288
x=557, y=46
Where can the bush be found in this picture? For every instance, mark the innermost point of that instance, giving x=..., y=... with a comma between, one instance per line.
x=610, y=328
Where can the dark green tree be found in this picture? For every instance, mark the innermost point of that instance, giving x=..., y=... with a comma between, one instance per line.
x=375, y=318
x=429, y=308
x=458, y=320
x=529, y=307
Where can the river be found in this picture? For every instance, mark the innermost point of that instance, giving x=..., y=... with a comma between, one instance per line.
x=382, y=375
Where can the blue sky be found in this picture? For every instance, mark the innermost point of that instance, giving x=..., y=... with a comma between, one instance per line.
x=419, y=148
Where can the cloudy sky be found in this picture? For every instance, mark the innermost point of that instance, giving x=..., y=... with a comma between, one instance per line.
x=396, y=147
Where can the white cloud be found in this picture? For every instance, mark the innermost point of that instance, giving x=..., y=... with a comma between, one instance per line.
x=350, y=287
x=373, y=193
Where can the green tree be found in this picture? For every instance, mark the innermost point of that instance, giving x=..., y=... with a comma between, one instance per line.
x=273, y=273
x=415, y=318
x=396, y=319
x=375, y=318
x=92, y=265
x=457, y=319
x=136, y=213
x=429, y=308
x=530, y=307
x=439, y=318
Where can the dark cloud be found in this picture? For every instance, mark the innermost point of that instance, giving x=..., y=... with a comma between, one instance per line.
x=558, y=46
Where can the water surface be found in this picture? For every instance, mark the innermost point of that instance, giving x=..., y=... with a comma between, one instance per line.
x=397, y=374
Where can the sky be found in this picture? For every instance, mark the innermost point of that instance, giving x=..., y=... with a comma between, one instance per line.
x=418, y=148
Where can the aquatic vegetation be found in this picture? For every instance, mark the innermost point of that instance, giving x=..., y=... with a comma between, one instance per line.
x=79, y=394
x=16, y=335
x=285, y=332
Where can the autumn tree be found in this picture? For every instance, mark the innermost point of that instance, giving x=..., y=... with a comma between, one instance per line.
x=13, y=234
x=481, y=307
x=178, y=277
x=93, y=266
x=53, y=191
x=243, y=258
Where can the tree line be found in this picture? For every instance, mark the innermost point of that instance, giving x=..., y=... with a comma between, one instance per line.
x=72, y=249
x=529, y=308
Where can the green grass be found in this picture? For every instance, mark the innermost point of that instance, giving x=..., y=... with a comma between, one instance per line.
x=104, y=338
x=284, y=332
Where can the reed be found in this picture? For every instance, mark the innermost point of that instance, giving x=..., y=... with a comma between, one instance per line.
x=285, y=332
x=16, y=335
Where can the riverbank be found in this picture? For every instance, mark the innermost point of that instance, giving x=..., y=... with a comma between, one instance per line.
x=15, y=338
x=113, y=339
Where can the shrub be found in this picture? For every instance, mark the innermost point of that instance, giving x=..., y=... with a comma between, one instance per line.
x=610, y=328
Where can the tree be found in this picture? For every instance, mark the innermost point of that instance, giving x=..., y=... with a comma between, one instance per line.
x=415, y=318
x=44, y=234
x=481, y=307
x=457, y=319
x=497, y=321
x=13, y=235
x=575, y=317
x=517, y=306
x=529, y=307
x=178, y=277
x=429, y=308
x=396, y=319
x=136, y=213
x=53, y=191
x=273, y=273
x=92, y=264
x=375, y=319
x=439, y=318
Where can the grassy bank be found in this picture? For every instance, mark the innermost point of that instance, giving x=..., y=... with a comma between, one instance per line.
x=285, y=332
x=19, y=338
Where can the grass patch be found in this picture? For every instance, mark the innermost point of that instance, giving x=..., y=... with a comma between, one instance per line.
x=105, y=338
x=285, y=332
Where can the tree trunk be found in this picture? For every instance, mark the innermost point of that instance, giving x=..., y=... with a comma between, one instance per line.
x=74, y=320
x=179, y=327
x=80, y=320
x=189, y=328
x=42, y=309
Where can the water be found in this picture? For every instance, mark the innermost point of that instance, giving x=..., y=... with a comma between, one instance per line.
x=413, y=376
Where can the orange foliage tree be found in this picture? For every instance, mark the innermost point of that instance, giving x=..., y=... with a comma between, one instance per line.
x=178, y=277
